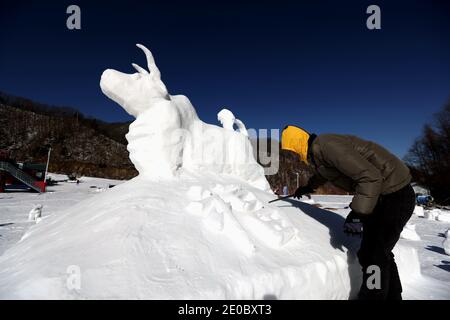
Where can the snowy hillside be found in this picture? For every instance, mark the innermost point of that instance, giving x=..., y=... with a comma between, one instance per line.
x=195, y=223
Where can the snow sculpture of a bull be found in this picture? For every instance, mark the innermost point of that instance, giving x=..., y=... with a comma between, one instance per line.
x=167, y=134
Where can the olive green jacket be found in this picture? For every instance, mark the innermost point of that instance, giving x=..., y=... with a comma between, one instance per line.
x=358, y=166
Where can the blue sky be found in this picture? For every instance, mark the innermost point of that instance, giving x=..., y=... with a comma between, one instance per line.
x=312, y=64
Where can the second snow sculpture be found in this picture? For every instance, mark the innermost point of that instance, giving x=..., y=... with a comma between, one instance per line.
x=228, y=120
x=167, y=135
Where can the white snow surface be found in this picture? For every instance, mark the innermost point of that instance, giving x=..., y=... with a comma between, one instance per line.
x=140, y=240
x=409, y=232
x=35, y=213
x=444, y=217
x=437, y=214
x=446, y=242
x=228, y=121
x=195, y=223
x=418, y=211
x=226, y=118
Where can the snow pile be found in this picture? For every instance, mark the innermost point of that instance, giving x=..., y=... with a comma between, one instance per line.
x=409, y=233
x=147, y=240
x=408, y=264
x=269, y=225
x=432, y=214
x=444, y=217
x=418, y=211
x=437, y=214
x=446, y=242
x=416, y=286
x=36, y=213
x=195, y=223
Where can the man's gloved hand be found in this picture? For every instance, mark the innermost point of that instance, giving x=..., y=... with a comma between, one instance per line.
x=301, y=191
x=353, y=224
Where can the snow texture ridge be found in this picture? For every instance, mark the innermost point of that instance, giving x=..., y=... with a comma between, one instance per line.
x=446, y=242
x=418, y=211
x=409, y=233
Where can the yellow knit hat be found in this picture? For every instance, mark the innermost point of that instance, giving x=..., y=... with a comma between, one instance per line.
x=295, y=139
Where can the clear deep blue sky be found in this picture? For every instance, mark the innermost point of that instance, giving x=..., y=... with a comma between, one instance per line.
x=313, y=64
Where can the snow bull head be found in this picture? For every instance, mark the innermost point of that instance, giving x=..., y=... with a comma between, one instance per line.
x=138, y=91
x=156, y=138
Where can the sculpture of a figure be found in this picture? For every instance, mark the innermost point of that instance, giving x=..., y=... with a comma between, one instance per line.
x=228, y=120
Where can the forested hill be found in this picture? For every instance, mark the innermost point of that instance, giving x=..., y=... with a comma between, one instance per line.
x=80, y=145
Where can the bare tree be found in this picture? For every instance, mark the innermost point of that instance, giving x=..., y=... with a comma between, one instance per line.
x=429, y=156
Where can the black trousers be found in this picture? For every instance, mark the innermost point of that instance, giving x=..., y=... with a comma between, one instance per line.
x=381, y=232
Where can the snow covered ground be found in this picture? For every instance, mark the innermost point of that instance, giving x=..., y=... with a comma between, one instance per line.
x=433, y=260
x=297, y=253
x=15, y=206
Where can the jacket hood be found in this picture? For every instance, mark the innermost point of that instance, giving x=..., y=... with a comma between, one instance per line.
x=295, y=139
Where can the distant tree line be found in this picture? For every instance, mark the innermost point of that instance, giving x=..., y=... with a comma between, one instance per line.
x=80, y=145
x=67, y=117
x=429, y=156
x=36, y=107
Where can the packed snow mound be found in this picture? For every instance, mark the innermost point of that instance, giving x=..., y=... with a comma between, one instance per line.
x=199, y=238
x=444, y=217
x=418, y=211
x=195, y=223
x=446, y=242
x=437, y=214
x=35, y=213
x=431, y=214
x=409, y=233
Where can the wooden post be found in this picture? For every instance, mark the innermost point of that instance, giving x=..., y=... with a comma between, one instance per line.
x=46, y=167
